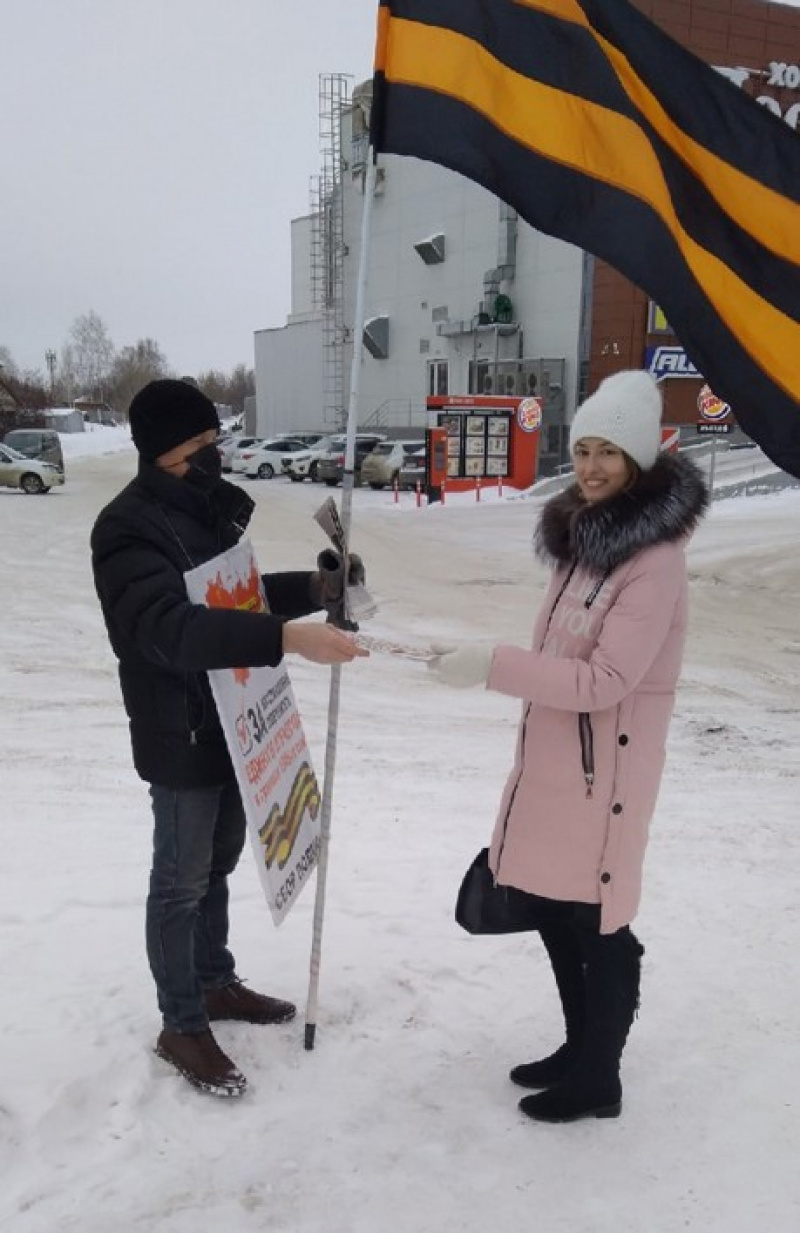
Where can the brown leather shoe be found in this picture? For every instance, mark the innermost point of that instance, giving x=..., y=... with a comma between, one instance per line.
x=199, y=1059
x=236, y=1001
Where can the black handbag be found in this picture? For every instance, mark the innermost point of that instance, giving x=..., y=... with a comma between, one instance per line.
x=484, y=907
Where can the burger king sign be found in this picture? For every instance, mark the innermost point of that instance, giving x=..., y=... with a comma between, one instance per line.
x=712, y=409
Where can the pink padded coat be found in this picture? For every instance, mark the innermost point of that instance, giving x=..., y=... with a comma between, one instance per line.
x=598, y=688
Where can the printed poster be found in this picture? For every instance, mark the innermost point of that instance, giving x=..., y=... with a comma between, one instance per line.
x=262, y=727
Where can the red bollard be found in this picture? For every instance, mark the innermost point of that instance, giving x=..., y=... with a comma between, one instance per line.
x=419, y=494
x=396, y=486
x=477, y=488
x=499, y=485
x=444, y=488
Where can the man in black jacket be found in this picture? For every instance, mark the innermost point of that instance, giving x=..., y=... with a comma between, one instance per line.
x=176, y=514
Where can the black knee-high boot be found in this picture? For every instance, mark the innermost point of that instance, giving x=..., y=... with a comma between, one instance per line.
x=592, y=1087
x=566, y=958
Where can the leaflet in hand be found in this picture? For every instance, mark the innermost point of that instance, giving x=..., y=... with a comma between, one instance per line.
x=399, y=650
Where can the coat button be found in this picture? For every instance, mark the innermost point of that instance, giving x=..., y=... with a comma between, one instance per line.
x=616, y=809
x=605, y=877
x=623, y=740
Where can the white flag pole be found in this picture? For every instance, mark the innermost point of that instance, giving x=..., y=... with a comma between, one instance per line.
x=336, y=670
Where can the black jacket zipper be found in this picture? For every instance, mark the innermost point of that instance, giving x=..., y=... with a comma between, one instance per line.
x=585, y=731
x=587, y=750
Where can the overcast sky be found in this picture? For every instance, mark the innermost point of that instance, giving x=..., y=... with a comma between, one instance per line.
x=153, y=154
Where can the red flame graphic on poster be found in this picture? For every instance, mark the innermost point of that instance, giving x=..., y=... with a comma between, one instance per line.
x=244, y=595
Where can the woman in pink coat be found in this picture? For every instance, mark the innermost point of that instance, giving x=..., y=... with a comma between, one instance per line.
x=597, y=688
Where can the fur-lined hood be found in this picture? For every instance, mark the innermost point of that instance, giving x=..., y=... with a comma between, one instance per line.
x=662, y=505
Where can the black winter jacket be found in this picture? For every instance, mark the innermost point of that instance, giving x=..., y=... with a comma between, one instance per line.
x=142, y=543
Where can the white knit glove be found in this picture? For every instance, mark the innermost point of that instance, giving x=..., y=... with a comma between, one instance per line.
x=462, y=667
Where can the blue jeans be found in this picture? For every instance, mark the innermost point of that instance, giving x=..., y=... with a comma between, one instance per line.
x=197, y=841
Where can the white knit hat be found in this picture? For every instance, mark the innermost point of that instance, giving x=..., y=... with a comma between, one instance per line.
x=625, y=409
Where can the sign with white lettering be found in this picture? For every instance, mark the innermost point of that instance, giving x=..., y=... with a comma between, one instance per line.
x=705, y=428
x=668, y=362
x=785, y=76
x=779, y=76
x=265, y=739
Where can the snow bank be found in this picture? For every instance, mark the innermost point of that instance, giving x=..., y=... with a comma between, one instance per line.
x=97, y=439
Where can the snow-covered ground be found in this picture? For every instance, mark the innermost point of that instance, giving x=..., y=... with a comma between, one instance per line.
x=95, y=440
x=402, y=1118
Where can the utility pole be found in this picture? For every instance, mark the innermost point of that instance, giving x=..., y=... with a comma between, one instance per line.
x=50, y=360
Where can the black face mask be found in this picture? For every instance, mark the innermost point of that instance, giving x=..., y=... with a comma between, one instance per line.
x=205, y=468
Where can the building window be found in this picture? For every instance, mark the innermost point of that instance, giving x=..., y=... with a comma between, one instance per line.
x=437, y=377
x=480, y=378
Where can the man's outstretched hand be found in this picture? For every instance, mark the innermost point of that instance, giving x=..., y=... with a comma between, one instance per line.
x=321, y=644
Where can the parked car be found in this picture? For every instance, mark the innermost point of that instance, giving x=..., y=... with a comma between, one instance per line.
x=304, y=466
x=382, y=465
x=330, y=468
x=30, y=474
x=41, y=443
x=412, y=470
x=228, y=446
x=262, y=459
x=309, y=439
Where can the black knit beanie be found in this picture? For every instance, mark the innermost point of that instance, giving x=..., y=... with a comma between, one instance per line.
x=168, y=412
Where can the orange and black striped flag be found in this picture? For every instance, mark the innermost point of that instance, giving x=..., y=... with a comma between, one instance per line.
x=601, y=130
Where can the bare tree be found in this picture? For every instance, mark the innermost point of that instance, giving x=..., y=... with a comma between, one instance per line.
x=89, y=365
x=92, y=354
x=214, y=385
x=241, y=385
x=229, y=391
x=132, y=369
x=23, y=396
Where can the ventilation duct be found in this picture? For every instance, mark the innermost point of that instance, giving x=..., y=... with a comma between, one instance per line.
x=431, y=250
x=376, y=337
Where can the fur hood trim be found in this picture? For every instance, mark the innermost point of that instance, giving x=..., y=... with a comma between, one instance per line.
x=662, y=505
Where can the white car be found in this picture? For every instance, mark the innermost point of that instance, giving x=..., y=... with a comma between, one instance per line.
x=262, y=459
x=304, y=466
x=30, y=474
x=228, y=446
x=309, y=439
x=413, y=469
x=383, y=465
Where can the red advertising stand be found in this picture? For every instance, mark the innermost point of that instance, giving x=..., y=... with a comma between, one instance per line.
x=482, y=438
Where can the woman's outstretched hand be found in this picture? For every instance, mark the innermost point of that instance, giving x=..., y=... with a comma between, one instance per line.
x=461, y=667
x=322, y=644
